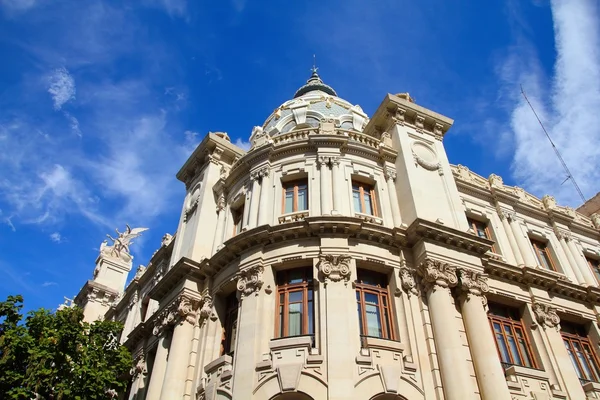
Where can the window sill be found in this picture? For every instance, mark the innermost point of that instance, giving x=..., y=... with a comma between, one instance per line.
x=370, y=342
x=369, y=218
x=293, y=217
x=591, y=387
x=291, y=342
x=525, y=372
x=220, y=362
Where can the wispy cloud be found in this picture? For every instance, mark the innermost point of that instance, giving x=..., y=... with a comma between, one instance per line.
x=49, y=283
x=61, y=87
x=175, y=8
x=56, y=237
x=243, y=144
x=567, y=104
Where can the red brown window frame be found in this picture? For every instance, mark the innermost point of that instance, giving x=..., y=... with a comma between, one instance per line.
x=285, y=288
x=238, y=217
x=541, y=247
x=294, y=185
x=362, y=189
x=587, y=346
x=475, y=224
x=385, y=307
x=512, y=323
x=594, y=264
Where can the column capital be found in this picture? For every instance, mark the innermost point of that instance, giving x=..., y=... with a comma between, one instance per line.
x=221, y=202
x=322, y=161
x=335, y=267
x=206, y=310
x=139, y=366
x=563, y=234
x=545, y=315
x=335, y=161
x=182, y=309
x=509, y=215
x=407, y=278
x=473, y=283
x=389, y=173
x=250, y=280
x=437, y=274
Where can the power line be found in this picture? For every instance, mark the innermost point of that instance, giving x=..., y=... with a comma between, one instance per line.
x=569, y=175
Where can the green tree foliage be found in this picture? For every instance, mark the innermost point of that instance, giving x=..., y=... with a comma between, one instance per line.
x=58, y=355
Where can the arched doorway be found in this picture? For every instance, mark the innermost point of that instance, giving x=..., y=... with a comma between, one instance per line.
x=387, y=397
x=292, y=396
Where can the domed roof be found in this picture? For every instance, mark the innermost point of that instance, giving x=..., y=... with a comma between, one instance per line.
x=313, y=102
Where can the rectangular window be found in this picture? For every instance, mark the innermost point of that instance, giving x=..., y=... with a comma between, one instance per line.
x=595, y=266
x=481, y=229
x=363, y=198
x=542, y=252
x=295, y=305
x=238, y=217
x=230, y=327
x=580, y=352
x=511, y=339
x=373, y=304
x=295, y=196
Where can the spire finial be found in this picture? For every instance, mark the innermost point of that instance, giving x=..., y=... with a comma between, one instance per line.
x=314, y=68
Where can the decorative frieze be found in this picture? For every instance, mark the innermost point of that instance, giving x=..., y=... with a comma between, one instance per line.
x=437, y=274
x=335, y=267
x=250, y=280
x=545, y=315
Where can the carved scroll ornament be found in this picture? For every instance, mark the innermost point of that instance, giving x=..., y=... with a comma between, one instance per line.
x=335, y=268
x=437, y=274
x=250, y=280
x=409, y=285
x=183, y=309
x=546, y=315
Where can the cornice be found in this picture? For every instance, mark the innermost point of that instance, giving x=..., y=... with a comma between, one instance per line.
x=141, y=331
x=183, y=269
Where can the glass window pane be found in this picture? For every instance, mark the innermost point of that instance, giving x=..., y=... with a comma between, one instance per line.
x=233, y=334
x=373, y=320
x=302, y=199
x=289, y=202
x=296, y=276
x=295, y=297
x=502, y=348
x=281, y=323
x=295, y=319
x=573, y=360
x=311, y=329
x=356, y=202
x=513, y=351
x=371, y=298
x=360, y=320
x=523, y=347
x=368, y=205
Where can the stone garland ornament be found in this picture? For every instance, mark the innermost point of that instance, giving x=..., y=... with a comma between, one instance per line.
x=425, y=156
x=250, y=280
x=546, y=315
x=437, y=274
x=335, y=268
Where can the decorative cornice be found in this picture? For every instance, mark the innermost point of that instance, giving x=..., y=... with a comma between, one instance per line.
x=335, y=268
x=250, y=280
x=437, y=274
x=545, y=315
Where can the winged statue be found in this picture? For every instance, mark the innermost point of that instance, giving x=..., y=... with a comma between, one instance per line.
x=121, y=243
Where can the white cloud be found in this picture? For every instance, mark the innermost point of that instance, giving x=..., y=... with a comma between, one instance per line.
x=61, y=87
x=49, y=283
x=56, y=237
x=568, y=105
x=242, y=144
x=74, y=123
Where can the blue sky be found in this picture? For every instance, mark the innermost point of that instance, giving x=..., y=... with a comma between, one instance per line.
x=101, y=102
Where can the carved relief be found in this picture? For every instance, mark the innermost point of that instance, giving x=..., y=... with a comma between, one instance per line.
x=221, y=202
x=425, y=156
x=546, y=315
x=335, y=268
x=183, y=309
x=495, y=181
x=250, y=280
x=399, y=116
x=437, y=274
x=206, y=310
x=473, y=283
x=139, y=366
x=596, y=220
x=408, y=281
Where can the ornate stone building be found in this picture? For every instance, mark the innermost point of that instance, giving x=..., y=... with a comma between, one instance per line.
x=343, y=257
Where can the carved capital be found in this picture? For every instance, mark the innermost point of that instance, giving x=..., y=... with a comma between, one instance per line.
x=323, y=162
x=335, y=268
x=409, y=284
x=562, y=234
x=335, y=161
x=437, y=274
x=545, y=315
x=389, y=173
x=221, y=202
x=250, y=280
x=509, y=215
x=187, y=308
x=206, y=310
x=473, y=283
x=139, y=366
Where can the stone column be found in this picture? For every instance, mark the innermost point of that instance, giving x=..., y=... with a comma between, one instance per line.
x=488, y=370
x=183, y=312
x=336, y=185
x=571, y=261
x=547, y=318
x=220, y=222
x=160, y=361
x=581, y=263
x=437, y=279
x=249, y=283
x=504, y=215
x=254, y=200
x=325, y=176
x=526, y=252
x=263, y=212
x=390, y=177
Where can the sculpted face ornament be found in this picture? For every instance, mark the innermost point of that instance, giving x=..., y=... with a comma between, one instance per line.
x=335, y=267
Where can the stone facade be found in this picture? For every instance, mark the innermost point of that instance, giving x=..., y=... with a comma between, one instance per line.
x=330, y=213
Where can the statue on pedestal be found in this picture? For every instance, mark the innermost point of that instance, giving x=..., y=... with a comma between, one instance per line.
x=120, y=246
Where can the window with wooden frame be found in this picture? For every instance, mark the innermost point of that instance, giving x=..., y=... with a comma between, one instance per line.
x=512, y=342
x=581, y=352
x=230, y=327
x=295, y=304
x=594, y=264
x=373, y=305
x=481, y=229
x=238, y=218
x=295, y=196
x=543, y=255
x=364, y=199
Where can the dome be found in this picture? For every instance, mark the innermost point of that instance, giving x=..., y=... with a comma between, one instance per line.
x=313, y=102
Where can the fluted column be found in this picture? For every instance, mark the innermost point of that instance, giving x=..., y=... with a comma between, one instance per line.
x=220, y=222
x=263, y=212
x=580, y=262
x=528, y=257
x=325, y=175
x=336, y=185
x=504, y=215
x=160, y=361
x=437, y=279
x=488, y=370
x=183, y=313
x=573, y=268
x=390, y=177
x=254, y=199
